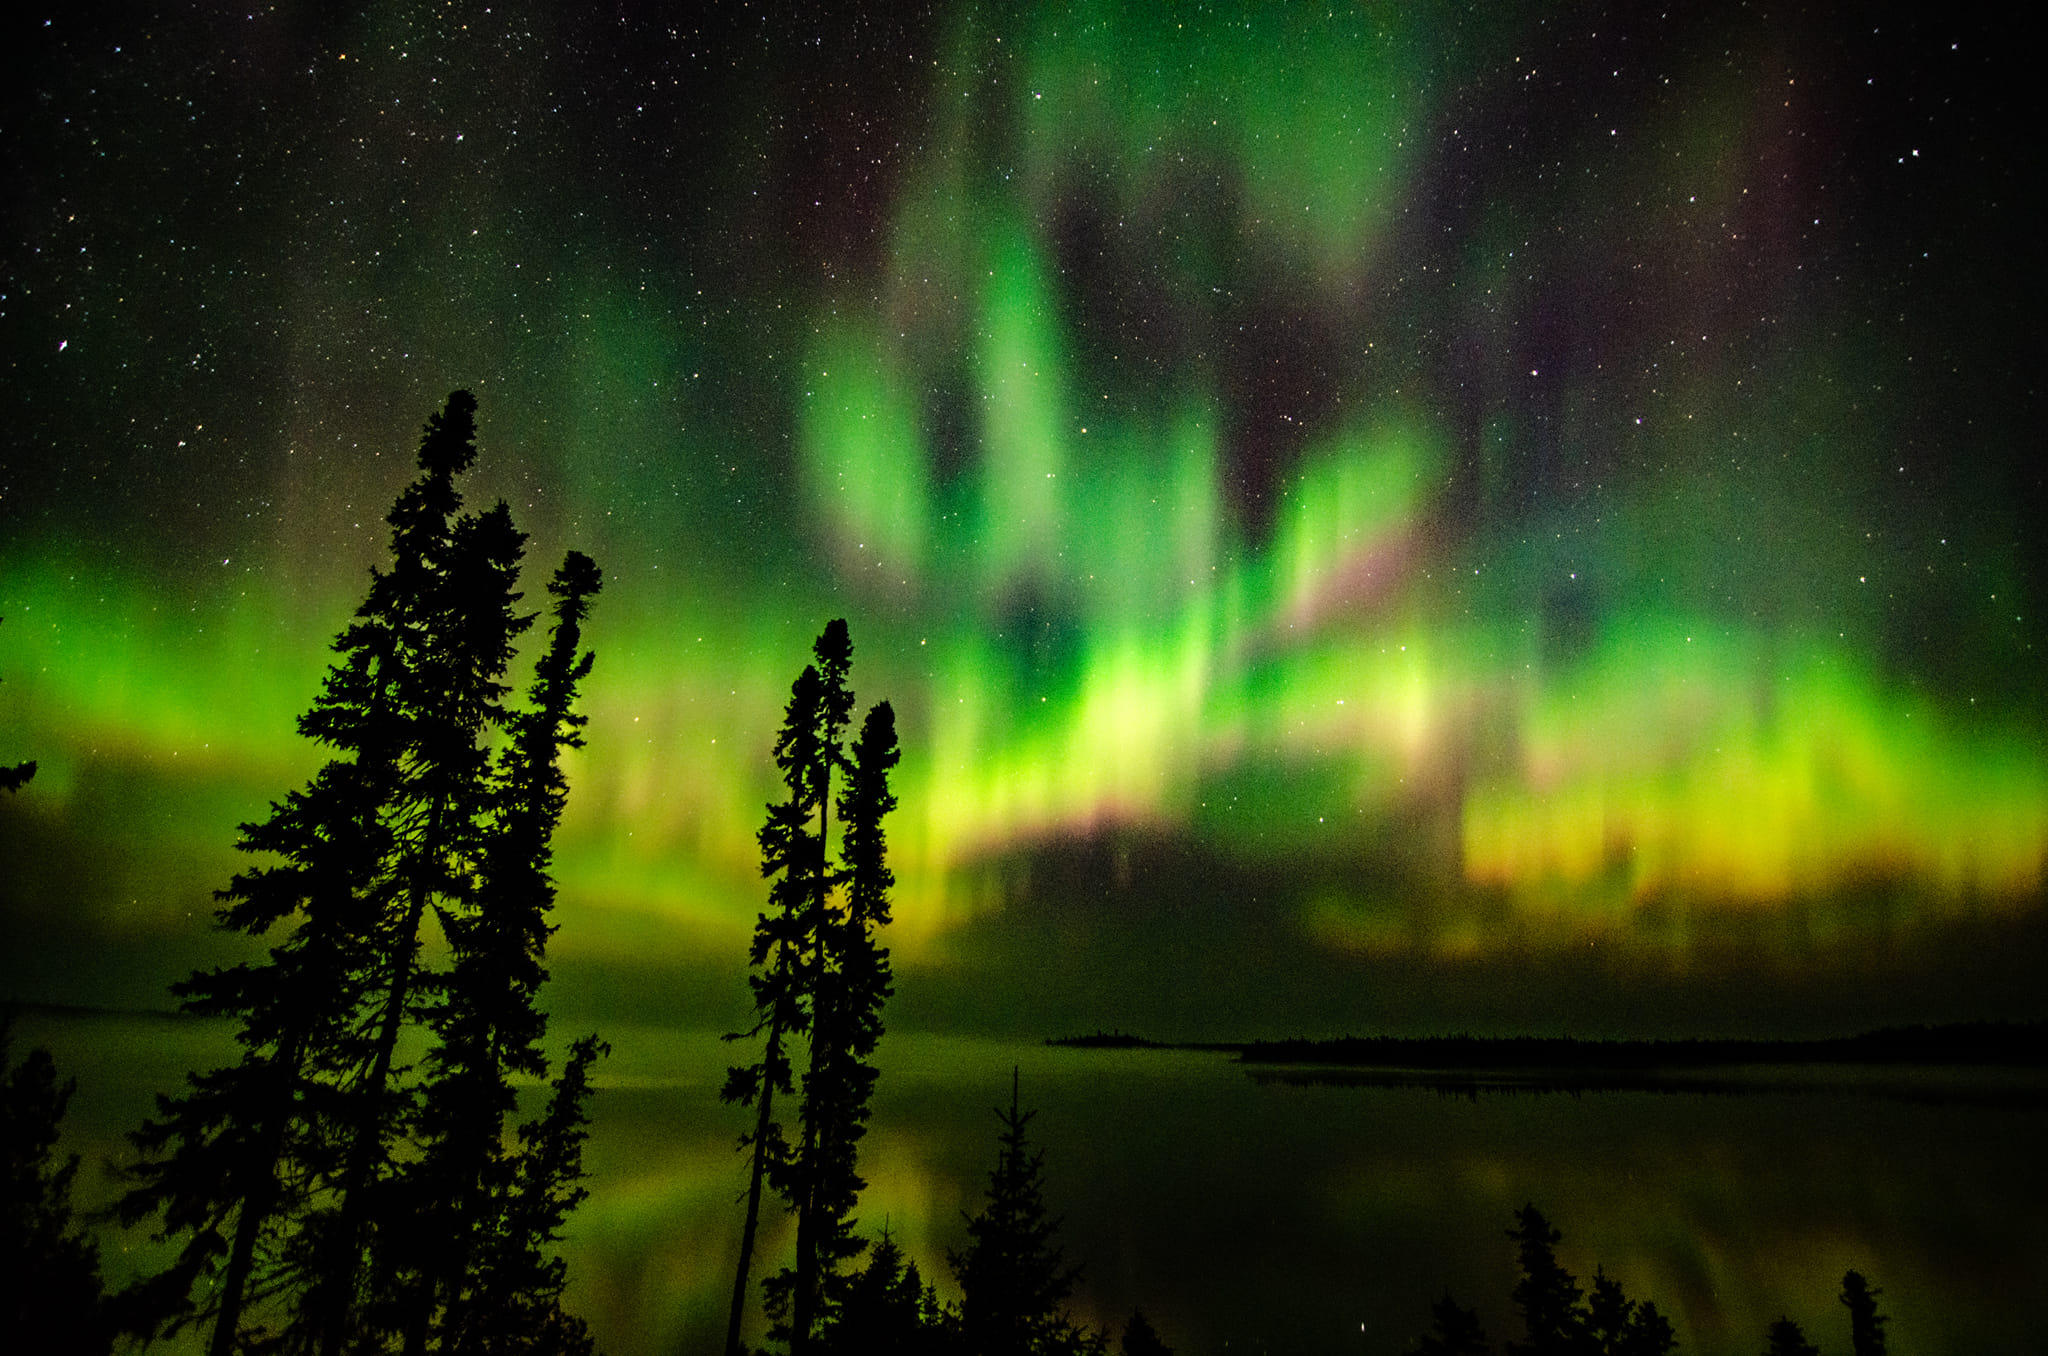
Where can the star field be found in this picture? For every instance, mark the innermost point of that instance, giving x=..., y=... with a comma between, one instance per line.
x=1446, y=486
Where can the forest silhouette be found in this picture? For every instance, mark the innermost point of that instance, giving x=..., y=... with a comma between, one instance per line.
x=324, y=1193
x=332, y=1191
x=1560, y=1318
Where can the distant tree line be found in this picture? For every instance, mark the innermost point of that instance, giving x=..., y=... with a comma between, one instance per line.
x=1976, y=1043
x=1559, y=1318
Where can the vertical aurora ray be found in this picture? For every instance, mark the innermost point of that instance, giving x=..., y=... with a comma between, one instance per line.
x=1025, y=423
x=864, y=455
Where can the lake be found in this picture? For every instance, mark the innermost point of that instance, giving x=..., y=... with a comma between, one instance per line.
x=1249, y=1214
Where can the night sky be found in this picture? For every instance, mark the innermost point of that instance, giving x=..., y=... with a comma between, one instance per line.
x=1412, y=517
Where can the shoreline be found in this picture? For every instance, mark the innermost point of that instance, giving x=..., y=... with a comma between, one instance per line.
x=2017, y=1045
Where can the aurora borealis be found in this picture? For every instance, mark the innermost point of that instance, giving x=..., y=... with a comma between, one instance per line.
x=1356, y=511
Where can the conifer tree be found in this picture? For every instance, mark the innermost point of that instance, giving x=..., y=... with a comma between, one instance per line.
x=1788, y=1340
x=1453, y=1331
x=886, y=1307
x=1619, y=1326
x=511, y=1300
x=1562, y=1320
x=238, y=1164
x=1547, y=1295
x=789, y=856
x=1648, y=1334
x=482, y=1010
x=820, y=978
x=1609, y=1313
x=1141, y=1338
x=459, y=628
x=853, y=983
x=281, y=1172
x=50, y=1298
x=1866, y=1324
x=792, y=1296
x=1013, y=1277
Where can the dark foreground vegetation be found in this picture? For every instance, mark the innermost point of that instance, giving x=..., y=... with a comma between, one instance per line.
x=1559, y=1318
x=364, y=1177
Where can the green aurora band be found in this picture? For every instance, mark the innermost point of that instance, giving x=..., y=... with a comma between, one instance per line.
x=1130, y=556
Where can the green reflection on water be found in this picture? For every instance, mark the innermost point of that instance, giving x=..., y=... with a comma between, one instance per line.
x=1300, y=1218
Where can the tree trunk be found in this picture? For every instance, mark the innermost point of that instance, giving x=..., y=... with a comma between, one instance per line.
x=362, y=1148
x=761, y=1124
x=256, y=1207
x=822, y=1032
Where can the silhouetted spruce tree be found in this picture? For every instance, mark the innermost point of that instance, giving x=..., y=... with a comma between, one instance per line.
x=1788, y=1340
x=461, y=642
x=846, y=1027
x=886, y=1307
x=50, y=1298
x=1562, y=1320
x=1453, y=1331
x=234, y=1161
x=1648, y=1333
x=1547, y=1295
x=482, y=1009
x=793, y=1297
x=280, y=1173
x=818, y=976
x=1013, y=1277
x=1609, y=1312
x=1866, y=1324
x=1141, y=1339
x=1619, y=1326
x=781, y=1014
x=511, y=1299
x=236, y=1165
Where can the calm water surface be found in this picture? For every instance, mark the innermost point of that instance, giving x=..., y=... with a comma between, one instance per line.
x=1248, y=1215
